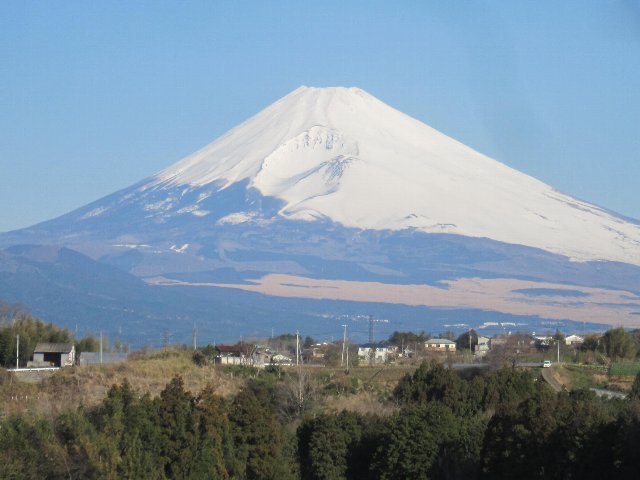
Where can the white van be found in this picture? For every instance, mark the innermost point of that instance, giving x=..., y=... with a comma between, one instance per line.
x=546, y=364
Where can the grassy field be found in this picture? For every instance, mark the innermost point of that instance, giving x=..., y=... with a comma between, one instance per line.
x=365, y=389
x=578, y=377
x=617, y=377
x=73, y=387
x=624, y=369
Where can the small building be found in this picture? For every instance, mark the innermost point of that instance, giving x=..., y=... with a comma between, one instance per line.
x=498, y=341
x=230, y=355
x=53, y=355
x=241, y=354
x=543, y=340
x=574, y=340
x=481, y=348
x=440, y=345
x=408, y=353
x=279, y=359
x=379, y=354
x=316, y=353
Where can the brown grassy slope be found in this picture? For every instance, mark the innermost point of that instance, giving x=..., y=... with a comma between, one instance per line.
x=86, y=386
x=364, y=389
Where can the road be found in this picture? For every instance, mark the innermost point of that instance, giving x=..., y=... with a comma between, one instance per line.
x=464, y=366
x=546, y=374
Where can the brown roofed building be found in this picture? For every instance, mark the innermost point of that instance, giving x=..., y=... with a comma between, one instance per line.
x=241, y=354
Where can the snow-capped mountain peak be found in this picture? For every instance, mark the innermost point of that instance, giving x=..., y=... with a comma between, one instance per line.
x=341, y=154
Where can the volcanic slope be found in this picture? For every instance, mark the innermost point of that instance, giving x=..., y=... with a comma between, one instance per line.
x=332, y=184
x=341, y=155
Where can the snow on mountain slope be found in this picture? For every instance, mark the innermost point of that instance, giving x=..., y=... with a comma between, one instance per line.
x=341, y=154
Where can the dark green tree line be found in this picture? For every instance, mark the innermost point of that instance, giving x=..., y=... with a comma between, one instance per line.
x=500, y=424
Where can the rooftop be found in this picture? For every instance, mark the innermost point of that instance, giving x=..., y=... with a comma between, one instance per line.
x=46, y=347
x=440, y=340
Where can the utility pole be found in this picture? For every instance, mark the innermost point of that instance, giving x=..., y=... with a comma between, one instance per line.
x=100, y=347
x=344, y=343
x=372, y=348
x=347, y=356
x=17, y=351
x=558, y=351
x=194, y=335
x=300, y=379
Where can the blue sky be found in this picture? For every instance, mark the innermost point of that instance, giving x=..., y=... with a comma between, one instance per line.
x=95, y=96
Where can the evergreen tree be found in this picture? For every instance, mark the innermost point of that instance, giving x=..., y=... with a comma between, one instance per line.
x=29, y=449
x=177, y=424
x=130, y=425
x=428, y=441
x=338, y=446
x=618, y=344
x=260, y=442
x=215, y=426
x=516, y=441
x=83, y=445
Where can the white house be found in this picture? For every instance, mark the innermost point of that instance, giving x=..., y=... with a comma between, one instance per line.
x=481, y=348
x=380, y=354
x=281, y=359
x=440, y=345
x=574, y=340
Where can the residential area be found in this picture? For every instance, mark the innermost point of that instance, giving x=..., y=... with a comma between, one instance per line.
x=399, y=348
x=307, y=390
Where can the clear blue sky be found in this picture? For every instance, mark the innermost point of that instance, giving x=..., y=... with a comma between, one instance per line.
x=95, y=96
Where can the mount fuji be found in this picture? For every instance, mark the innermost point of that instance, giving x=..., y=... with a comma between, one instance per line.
x=329, y=193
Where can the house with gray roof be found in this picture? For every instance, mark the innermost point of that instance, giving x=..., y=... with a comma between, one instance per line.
x=53, y=355
x=440, y=345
